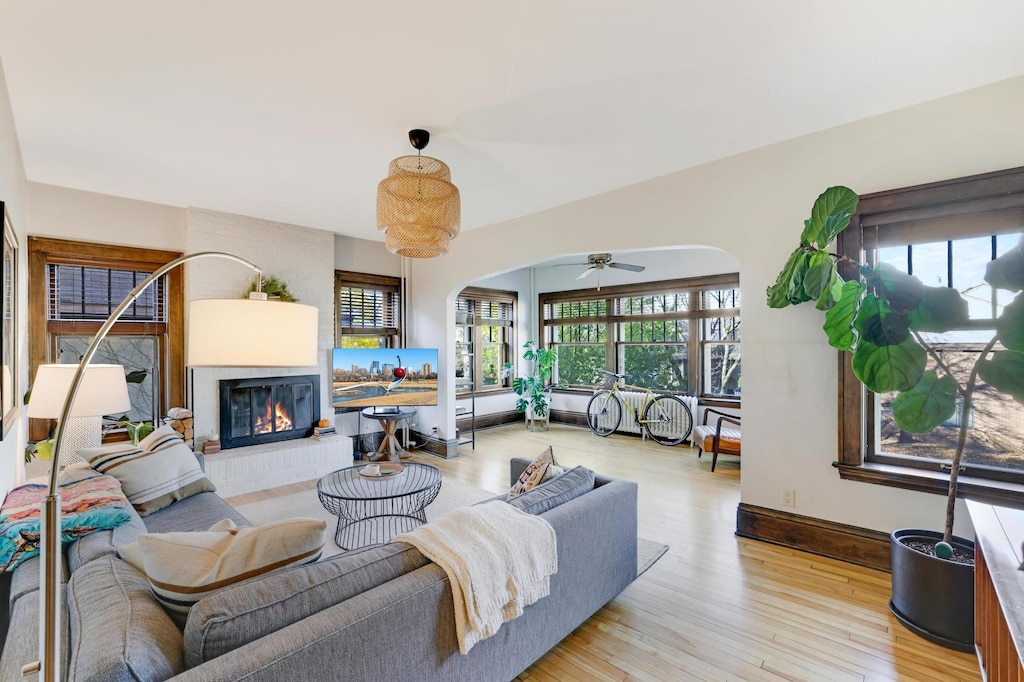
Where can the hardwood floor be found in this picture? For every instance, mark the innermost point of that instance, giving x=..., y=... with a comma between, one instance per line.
x=715, y=607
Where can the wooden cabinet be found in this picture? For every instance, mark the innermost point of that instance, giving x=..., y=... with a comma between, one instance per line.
x=998, y=590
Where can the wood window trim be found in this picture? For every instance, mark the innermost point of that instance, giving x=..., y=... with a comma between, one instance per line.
x=386, y=283
x=978, y=200
x=43, y=251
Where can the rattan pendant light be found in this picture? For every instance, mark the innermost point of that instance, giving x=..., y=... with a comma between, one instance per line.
x=418, y=207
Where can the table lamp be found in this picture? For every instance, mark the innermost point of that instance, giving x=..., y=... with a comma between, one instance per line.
x=103, y=391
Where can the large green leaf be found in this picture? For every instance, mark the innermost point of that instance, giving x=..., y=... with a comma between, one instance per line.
x=889, y=368
x=831, y=293
x=879, y=324
x=940, y=310
x=839, y=319
x=788, y=287
x=1005, y=372
x=901, y=291
x=928, y=404
x=1007, y=271
x=1010, y=325
x=829, y=216
x=818, y=278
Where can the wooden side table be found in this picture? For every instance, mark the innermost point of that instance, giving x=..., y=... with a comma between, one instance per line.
x=390, y=449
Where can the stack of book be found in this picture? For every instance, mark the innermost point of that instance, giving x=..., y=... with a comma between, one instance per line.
x=211, y=447
x=324, y=432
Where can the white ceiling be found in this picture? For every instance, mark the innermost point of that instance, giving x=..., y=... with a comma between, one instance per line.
x=291, y=111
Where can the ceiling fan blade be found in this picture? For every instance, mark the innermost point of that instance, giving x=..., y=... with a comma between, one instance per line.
x=627, y=266
x=575, y=265
x=586, y=272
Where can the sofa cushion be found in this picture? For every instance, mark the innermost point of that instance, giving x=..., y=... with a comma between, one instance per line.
x=182, y=568
x=118, y=629
x=246, y=612
x=22, y=643
x=539, y=470
x=158, y=471
x=198, y=512
x=558, y=490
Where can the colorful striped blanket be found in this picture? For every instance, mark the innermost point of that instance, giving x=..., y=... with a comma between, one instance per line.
x=89, y=505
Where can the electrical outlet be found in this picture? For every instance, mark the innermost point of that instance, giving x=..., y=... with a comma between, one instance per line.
x=788, y=498
x=433, y=430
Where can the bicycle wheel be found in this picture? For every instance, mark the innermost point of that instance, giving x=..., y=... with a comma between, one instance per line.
x=668, y=420
x=604, y=412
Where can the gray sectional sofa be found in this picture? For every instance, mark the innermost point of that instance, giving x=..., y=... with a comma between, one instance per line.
x=379, y=613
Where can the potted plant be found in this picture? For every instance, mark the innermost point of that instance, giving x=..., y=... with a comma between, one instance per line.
x=883, y=318
x=534, y=389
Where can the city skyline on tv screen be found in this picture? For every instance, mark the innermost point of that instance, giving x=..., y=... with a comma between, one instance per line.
x=375, y=377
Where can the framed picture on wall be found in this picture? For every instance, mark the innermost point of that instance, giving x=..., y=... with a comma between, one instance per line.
x=9, y=389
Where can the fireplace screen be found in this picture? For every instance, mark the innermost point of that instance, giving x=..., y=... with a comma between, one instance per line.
x=268, y=410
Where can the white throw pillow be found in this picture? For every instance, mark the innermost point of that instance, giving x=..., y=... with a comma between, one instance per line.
x=160, y=470
x=182, y=568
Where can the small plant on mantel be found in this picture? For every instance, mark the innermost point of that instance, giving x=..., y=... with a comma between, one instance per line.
x=882, y=318
x=274, y=288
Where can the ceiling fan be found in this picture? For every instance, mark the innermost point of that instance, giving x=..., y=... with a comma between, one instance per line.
x=599, y=261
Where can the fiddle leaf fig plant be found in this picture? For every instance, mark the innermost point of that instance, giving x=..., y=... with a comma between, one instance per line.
x=882, y=318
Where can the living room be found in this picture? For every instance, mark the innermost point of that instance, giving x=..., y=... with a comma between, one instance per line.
x=743, y=194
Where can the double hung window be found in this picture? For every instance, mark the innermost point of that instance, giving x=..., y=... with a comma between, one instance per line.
x=482, y=343
x=944, y=234
x=75, y=286
x=369, y=310
x=681, y=335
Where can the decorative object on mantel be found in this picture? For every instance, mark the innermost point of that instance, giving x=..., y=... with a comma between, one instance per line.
x=275, y=288
x=222, y=333
x=418, y=208
x=887, y=321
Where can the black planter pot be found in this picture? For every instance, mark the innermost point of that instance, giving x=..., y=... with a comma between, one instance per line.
x=933, y=597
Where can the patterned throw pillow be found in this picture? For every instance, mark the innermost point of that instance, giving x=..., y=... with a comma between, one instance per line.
x=542, y=469
x=87, y=506
x=158, y=471
x=184, y=567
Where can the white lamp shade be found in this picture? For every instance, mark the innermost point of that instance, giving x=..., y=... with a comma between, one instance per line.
x=251, y=333
x=103, y=391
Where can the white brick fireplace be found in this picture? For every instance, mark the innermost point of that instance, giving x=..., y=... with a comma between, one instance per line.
x=304, y=258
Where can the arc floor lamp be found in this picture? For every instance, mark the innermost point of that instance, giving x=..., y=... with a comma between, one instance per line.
x=250, y=332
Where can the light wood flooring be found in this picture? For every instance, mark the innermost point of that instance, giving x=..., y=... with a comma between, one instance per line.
x=715, y=607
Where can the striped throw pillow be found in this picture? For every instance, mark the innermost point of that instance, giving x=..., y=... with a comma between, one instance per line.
x=160, y=470
x=182, y=568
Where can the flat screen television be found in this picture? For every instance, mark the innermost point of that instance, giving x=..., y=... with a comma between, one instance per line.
x=383, y=377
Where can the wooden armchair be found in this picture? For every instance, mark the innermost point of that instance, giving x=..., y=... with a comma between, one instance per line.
x=716, y=438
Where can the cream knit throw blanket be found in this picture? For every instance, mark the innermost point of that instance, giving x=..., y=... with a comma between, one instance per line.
x=498, y=560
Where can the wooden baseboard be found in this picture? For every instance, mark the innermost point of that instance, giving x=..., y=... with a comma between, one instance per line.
x=859, y=546
x=486, y=421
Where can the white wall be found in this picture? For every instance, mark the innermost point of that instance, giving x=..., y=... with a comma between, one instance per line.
x=753, y=205
x=14, y=194
x=364, y=255
x=66, y=213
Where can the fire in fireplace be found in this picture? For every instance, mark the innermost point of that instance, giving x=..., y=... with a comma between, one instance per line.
x=268, y=409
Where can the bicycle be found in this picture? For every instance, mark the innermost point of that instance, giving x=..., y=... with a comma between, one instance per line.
x=655, y=416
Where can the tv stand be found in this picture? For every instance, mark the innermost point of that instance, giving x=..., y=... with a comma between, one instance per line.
x=390, y=450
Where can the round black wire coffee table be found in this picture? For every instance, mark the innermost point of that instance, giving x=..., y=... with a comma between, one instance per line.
x=374, y=510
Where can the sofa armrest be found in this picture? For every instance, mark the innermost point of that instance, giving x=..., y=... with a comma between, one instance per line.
x=202, y=460
x=517, y=465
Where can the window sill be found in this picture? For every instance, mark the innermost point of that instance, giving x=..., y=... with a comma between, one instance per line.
x=482, y=392
x=1000, y=493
